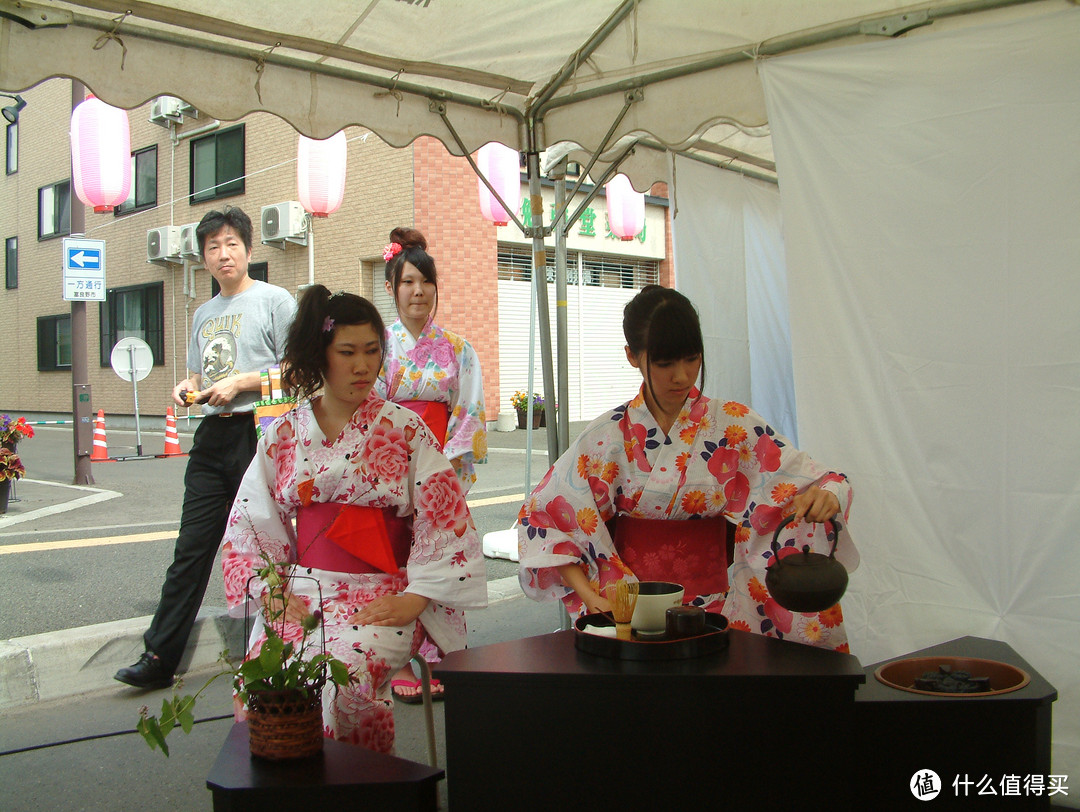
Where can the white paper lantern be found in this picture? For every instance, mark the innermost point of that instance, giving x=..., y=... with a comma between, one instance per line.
x=320, y=173
x=625, y=208
x=100, y=154
x=500, y=165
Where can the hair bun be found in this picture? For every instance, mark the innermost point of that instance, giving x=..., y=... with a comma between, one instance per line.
x=408, y=238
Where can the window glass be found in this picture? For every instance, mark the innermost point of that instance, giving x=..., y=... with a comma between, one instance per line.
x=11, y=262
x=63, y=342
x=13, y=148
x=136, y=311
x=54, y=342
x=143, y=192
x=217, y=165
x=54, y=210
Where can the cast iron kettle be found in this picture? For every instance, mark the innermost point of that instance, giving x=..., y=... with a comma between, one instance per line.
x=806, y=581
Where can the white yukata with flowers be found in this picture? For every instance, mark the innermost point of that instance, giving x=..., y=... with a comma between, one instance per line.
x=717, y=460
x=440, y=366
x=384, y=458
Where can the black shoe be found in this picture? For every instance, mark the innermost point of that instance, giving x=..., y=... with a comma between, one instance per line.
x=148, y=672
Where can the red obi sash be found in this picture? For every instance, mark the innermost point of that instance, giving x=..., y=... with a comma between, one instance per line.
x=435, y=414
x=691, y=552
x=351, y=538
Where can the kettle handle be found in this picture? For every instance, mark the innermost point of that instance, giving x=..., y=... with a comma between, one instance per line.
x=788, y=520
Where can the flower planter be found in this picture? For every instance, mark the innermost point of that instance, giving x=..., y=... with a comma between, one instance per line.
x=537, y=421
x=5, y=493
x=285, y=724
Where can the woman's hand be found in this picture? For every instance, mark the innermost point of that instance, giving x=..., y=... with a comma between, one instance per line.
x=296, y=609
x=815, y=504
x=391, y=610
x=595, y=603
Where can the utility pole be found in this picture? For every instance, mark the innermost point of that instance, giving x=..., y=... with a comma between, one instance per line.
x=81, y=403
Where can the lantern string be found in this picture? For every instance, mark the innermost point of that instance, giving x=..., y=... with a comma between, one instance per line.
x=495, y=103
x=100, y=42
x=260, y=66
x=393, y=91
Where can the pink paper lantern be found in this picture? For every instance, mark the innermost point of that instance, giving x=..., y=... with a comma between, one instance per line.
x=499, y=164
x=100, y=154
x=625, y=208
x=320, y=173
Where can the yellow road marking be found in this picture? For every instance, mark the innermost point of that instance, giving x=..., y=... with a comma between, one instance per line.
x=105, y=541
x=70, y=544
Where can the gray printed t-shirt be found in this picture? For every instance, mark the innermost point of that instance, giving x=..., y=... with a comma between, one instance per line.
x=241, y=333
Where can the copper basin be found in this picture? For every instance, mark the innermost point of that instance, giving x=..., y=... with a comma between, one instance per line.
x=901, y=674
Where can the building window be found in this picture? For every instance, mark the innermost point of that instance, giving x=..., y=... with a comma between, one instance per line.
x=515, y=264
x=256, y=270
x=13, y=148
x=217, y=165
x=137, y=310
x=54, y=342
x=143, y=192
x=54, y=210
x=11, y=262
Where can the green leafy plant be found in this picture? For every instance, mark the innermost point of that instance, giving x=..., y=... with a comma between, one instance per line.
x=11, y=467
x=280, y=666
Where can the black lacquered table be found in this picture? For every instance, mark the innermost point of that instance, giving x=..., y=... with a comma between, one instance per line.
x=343, y=774
x=537, y=724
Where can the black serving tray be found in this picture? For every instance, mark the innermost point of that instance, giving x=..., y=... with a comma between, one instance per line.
x=661, y=647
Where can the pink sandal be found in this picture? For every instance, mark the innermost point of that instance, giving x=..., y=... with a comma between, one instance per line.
x=418, y=697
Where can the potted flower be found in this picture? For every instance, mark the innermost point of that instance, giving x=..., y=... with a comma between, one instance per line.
x=11, y=468
x=11, y=431
x=281, y=687
x=520, y=401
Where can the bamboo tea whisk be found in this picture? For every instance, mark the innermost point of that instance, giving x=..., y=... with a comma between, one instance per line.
x=624, y=595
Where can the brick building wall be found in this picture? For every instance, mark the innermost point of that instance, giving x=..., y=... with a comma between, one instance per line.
x=420, y=185
x=464, y=246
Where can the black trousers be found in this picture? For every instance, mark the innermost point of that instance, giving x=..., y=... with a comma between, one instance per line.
x=220, y=454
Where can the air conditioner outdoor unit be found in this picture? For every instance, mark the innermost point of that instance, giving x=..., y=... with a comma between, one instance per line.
x=164, y=109
x=163, y=244
x=284, y=221
x=189, y=243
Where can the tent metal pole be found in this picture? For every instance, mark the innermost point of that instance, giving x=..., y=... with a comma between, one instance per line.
x=749, y=52
x=562, y=364
x=539, y=272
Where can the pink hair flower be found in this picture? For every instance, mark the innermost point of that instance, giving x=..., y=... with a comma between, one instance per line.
x=327, y=325
x=391, y=251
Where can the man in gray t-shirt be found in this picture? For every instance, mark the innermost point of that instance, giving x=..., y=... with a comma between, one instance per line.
x=234, y=336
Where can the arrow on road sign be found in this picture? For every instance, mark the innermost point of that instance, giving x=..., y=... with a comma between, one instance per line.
x=84, y=258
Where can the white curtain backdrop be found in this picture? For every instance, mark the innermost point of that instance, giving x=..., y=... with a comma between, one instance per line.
x=729, y=260
x=931, y=191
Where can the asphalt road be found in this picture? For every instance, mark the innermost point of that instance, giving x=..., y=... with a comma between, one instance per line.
x=105, y=560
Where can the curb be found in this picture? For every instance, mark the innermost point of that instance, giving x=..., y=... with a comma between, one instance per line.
x=59, y=665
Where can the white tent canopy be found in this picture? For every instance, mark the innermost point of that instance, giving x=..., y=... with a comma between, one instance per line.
x=923, y=239
x=528, y=74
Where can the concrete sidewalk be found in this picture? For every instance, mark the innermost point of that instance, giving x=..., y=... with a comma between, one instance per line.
x=80, y=751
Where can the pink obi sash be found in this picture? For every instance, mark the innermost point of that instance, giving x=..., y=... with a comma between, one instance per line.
x=351, y=538
x=435, y=414
x=691, y=552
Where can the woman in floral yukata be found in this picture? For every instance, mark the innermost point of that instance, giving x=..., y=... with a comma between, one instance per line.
x=436, y=373
x=381, y=519
x=675, y=456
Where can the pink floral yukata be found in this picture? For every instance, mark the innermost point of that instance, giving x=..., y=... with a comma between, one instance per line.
x=717, y=460
x=443, y=367
x=385, y=458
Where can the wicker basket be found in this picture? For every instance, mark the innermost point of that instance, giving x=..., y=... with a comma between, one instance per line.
x=285, y=724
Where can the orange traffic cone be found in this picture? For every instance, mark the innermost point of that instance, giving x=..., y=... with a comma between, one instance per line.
x=101, y=449
x=172, y=439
